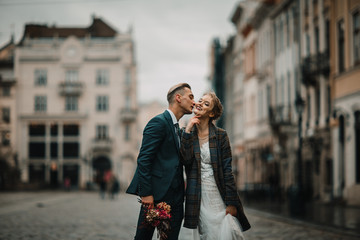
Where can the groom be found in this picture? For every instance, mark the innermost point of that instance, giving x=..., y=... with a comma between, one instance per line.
x=159, y=174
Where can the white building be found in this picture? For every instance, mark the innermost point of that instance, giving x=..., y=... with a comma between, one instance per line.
x=76, y=104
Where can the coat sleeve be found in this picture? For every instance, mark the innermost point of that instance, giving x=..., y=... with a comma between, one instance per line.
x=231, y=196
x=153, y=136
x=186, y=148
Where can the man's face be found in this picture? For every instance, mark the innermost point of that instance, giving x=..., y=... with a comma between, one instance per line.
x=187, y=101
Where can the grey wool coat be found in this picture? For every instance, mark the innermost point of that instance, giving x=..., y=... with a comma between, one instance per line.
x=221, y=158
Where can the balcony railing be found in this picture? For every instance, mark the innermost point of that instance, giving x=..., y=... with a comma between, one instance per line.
x=102, y=144
x=313, y=66
x=70, y=88
x=7, y=81
x=128, y=115
x=280, y=115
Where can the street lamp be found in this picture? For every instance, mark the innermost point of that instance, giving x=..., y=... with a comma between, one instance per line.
x=300, y=105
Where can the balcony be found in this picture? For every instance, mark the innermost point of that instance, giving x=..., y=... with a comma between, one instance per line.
x=70, y=88
x=102, y=144
x=313, y=66
x=280, y=115
x=7, y=81
x=128, y=115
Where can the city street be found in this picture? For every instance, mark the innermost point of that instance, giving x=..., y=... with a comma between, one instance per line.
x=83, y=215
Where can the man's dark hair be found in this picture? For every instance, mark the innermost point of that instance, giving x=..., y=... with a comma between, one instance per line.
x=178, y=88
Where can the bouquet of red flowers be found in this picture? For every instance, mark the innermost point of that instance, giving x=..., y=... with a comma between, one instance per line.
x=159, y=217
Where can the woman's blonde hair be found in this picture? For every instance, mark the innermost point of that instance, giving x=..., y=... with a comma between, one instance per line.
x=217, y=108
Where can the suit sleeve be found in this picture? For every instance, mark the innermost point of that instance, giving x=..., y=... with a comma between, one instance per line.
x=186, y=148
x=231, y=196
x=153, y=136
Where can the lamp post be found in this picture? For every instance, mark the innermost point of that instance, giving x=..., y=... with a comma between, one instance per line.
x=299, y=104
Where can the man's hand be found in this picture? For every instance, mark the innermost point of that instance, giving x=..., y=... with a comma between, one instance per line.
x=232, y=210
x=148, y=201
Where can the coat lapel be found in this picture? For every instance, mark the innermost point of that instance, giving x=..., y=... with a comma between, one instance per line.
x=172, y=129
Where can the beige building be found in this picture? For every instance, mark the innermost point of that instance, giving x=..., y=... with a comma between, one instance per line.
x=8, y=156
x=76, y=104
x=345, y=85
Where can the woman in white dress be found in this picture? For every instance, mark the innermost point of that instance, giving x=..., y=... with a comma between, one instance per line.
x=213, y=207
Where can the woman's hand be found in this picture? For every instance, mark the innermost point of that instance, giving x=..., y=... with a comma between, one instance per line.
x=194, y=120
x=232, y=210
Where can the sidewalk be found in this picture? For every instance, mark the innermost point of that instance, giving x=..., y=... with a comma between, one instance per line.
x=329, y=217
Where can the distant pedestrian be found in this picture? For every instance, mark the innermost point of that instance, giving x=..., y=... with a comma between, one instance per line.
x=115, y=188
x=67, y=183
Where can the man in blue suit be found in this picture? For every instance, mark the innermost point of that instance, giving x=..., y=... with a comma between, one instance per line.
x=159, y=173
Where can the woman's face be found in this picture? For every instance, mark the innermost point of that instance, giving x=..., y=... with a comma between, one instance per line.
x=203, y=108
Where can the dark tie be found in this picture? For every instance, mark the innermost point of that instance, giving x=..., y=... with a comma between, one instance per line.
x=177, y=129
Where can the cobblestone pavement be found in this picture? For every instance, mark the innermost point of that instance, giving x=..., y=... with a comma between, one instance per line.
x=84, y=216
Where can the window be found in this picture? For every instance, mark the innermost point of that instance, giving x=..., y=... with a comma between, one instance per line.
x=6, y=91
x=341, y=46
x=289, y=88
x=40, y=77
x=128, y=102
x=282, y=90
x=102, y=103
x=128, y=77
x=102, y=132
x=295, y=24
x=327, y=37
x=40, y=103
x=36, y=150
x=127, y=132
x=102, y=77
x=307, y=45
x=5, y=138
x=36, y=130
x=71, y=103
x=281, y=36
x=70, y=149
x=54, y=130
x=53, y=150
x=317, y=39
x=260, y=104
x=71, y=130
x=287, y=29
x=6, y=115
x=318, y=104
x=356, y=37
x=276, y=38
x=72, y=76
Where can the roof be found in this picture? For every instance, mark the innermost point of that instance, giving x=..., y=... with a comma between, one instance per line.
x=98, y=28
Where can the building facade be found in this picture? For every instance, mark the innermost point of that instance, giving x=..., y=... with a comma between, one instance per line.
x=291, y=83
x=76, y=104
x=345, y=95
x=8, y=156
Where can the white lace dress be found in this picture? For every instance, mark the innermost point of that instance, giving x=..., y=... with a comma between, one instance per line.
x=213, y=223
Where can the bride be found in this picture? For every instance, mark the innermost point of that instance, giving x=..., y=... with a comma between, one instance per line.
x=213, y=208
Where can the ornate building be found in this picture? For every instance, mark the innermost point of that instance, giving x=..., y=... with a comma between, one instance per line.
x=345, y=96
x=76, y=104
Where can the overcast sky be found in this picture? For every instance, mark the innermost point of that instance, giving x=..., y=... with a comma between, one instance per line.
x=172, y=37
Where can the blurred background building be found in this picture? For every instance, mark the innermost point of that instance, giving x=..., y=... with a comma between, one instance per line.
x=69, y=104
x=288, y=78
x=290, y=85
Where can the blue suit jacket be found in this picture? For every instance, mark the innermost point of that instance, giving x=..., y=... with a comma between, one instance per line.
x=158, y=159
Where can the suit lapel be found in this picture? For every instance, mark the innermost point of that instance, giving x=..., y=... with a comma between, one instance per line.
x=172, y=128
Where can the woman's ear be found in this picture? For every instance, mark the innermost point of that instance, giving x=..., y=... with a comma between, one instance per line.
x=211, y=114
